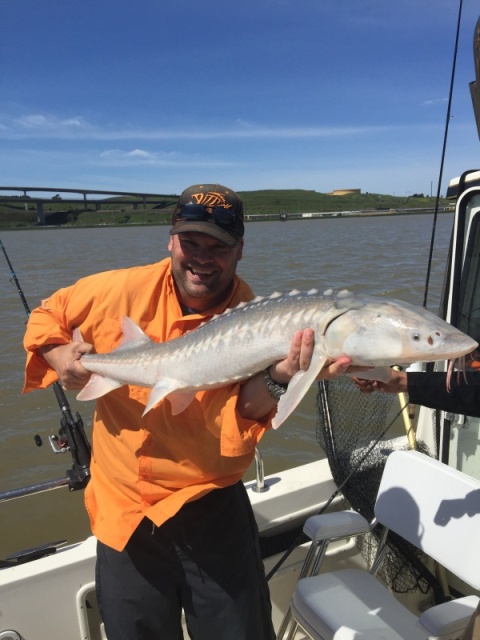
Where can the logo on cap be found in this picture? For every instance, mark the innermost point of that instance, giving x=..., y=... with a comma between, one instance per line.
x=210, y=199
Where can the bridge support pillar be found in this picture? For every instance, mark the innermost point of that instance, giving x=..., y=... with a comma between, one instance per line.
x=40, y=213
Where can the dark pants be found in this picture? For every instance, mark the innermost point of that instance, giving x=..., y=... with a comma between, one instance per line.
x=205, y=560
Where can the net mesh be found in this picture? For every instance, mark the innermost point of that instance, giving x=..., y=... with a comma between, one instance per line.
x=352, y=429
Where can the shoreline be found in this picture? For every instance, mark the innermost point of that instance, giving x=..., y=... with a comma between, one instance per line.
x=250, y=218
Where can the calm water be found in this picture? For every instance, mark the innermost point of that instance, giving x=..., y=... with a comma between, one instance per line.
x=386, y=256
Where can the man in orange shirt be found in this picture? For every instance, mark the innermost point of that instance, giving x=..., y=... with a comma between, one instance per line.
x=166, y=502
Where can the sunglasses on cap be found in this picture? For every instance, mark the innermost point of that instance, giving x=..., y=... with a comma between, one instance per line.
x=219, y=215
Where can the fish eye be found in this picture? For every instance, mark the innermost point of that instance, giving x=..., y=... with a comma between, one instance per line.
x=416, y=337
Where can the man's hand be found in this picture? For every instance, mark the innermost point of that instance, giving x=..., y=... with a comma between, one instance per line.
x=255, y=401
x=300, y=355
x=397, y=384
x=65, y=359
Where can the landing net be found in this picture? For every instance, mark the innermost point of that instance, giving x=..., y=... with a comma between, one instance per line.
x=349, y=423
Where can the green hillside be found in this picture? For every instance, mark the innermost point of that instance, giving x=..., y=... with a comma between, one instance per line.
x=303, y=201
x=158, y=210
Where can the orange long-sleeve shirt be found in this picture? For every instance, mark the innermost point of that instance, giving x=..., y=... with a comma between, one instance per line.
x=144, y=466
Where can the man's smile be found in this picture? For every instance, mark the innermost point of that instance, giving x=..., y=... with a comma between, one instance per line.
x=199, y=273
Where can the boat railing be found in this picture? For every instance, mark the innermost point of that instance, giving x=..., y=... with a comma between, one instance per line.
x=32, y=489
x=259, y=486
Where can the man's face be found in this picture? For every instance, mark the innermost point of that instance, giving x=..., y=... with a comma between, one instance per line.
x=203, y=268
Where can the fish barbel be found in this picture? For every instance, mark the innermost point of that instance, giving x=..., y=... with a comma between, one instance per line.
x=240, y=342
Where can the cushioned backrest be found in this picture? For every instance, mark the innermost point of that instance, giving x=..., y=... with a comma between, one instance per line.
x=434, y=507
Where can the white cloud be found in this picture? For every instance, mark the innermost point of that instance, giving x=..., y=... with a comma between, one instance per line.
x=49, y=123
x=38, y=125
x=135, y=154
x=429, y=103
x=138, y=157
x=139, y=153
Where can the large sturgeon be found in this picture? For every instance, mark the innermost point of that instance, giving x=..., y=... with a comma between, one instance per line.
x=240, y=342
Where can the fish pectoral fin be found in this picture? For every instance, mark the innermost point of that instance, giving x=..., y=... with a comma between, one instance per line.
x=168, y=388
x=98, y=386
x=297, y=388
x=180, y=400
x=376, y=373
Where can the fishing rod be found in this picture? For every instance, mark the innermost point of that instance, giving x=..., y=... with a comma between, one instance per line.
x=71, y=436
x=444, y=149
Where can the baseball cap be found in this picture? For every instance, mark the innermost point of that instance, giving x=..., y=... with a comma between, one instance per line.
x=212, y=209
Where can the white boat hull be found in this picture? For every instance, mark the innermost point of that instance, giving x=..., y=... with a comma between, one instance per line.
x=54, y=596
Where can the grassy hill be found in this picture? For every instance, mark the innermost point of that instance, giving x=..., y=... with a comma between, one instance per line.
x=303, y=201
x=15, y=214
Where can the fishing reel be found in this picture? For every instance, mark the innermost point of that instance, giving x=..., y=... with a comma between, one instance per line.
x=71, y=439
x=57, y=444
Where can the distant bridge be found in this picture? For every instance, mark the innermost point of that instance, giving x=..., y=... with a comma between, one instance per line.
x=39, y=201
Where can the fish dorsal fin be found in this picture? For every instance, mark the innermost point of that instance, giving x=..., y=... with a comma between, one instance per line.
x=131, y=332
x=132, y=336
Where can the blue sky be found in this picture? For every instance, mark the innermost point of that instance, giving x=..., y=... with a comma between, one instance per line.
x=155, y=95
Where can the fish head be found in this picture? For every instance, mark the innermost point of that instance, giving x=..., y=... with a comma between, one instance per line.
x=376, y=332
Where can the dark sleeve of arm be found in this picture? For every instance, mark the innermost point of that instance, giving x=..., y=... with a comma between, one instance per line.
x=430, y=389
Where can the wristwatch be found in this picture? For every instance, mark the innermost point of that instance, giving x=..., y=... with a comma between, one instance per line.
x=276, y=389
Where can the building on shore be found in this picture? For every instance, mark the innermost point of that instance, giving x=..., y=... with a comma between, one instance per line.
x=344, y=192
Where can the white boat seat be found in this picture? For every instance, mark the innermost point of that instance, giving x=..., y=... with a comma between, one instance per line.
x=449, y=619
x=338, y=524
x=432, y=506
x=350, y=604
x=322, y=529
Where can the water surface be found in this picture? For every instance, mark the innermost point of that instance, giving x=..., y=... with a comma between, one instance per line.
x=379, y=255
